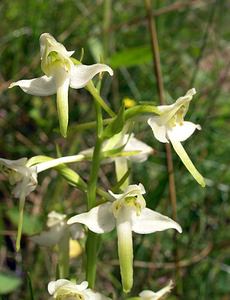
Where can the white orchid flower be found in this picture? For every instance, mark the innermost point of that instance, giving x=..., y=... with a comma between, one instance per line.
x=60, y=74
x=63, y=289
x=59, y=234
x=132, y=150
x=24, y=177
x=19, y=174
x=127, y=213
x=25, y=181
x=57, y=229
x=150, y=295
x=171, y=127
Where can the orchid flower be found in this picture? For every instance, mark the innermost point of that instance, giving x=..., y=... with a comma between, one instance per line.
x=57, y=229
x=59, y=233
x=63, y=289
x=60, y=73
x=171, y=127
x=132, y=150
x=150, y=295
x=24, y=177
x=127, y=213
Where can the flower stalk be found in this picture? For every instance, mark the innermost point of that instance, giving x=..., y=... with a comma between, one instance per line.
x=63, y=256
x=93, y=239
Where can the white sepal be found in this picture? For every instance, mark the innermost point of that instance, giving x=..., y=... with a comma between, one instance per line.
x=82, y=74
x=150, y=221
x=41, y=86
x=159, y=130
x=99, y=219
x=150, y=295
x=181, y=133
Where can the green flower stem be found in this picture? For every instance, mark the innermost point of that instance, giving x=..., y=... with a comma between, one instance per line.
x=92, y=245
x=140, y=110
x=94, y=92
x=63, y=256
x=93, y=239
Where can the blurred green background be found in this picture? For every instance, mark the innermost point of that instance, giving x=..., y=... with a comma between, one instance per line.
x=194, y=50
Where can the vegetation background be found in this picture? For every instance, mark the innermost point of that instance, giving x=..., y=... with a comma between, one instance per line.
x=193, y=37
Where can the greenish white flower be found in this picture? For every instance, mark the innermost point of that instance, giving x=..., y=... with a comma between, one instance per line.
x=24, y=177
x=127, y=213
x=120, y=149
x=60, y=73
x=131, y=148
x=150, y=295
x=57, y=230
x=63, y=289
x=170, y=126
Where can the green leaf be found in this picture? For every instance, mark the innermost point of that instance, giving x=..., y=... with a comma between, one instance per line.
x=131, y=57
x=116, y=125
x=31, y=224
x=8, y=283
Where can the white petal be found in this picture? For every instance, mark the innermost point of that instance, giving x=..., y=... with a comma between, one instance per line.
x=41, y=86
x=159, y=131
x=99, y=219
x=187, y=162
x=150, y=221
x=168, y=111
x=134, y=144
x=150, y=295
x=82, y=74
x=91, y=295
x=55, y=218
x=82, y=286
x=49, y=44
x=165, y=290
x=13, y=164
x=51, y=237
x=147, y=295
x=182, y=132
x=54, y=285
x=131, y=190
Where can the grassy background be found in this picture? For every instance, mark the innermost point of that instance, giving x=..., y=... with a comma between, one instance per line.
x=193, y=38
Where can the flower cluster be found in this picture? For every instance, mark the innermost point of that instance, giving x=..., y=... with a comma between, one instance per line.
x=126, y=210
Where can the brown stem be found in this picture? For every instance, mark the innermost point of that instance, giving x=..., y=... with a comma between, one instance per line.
x=160, y=89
